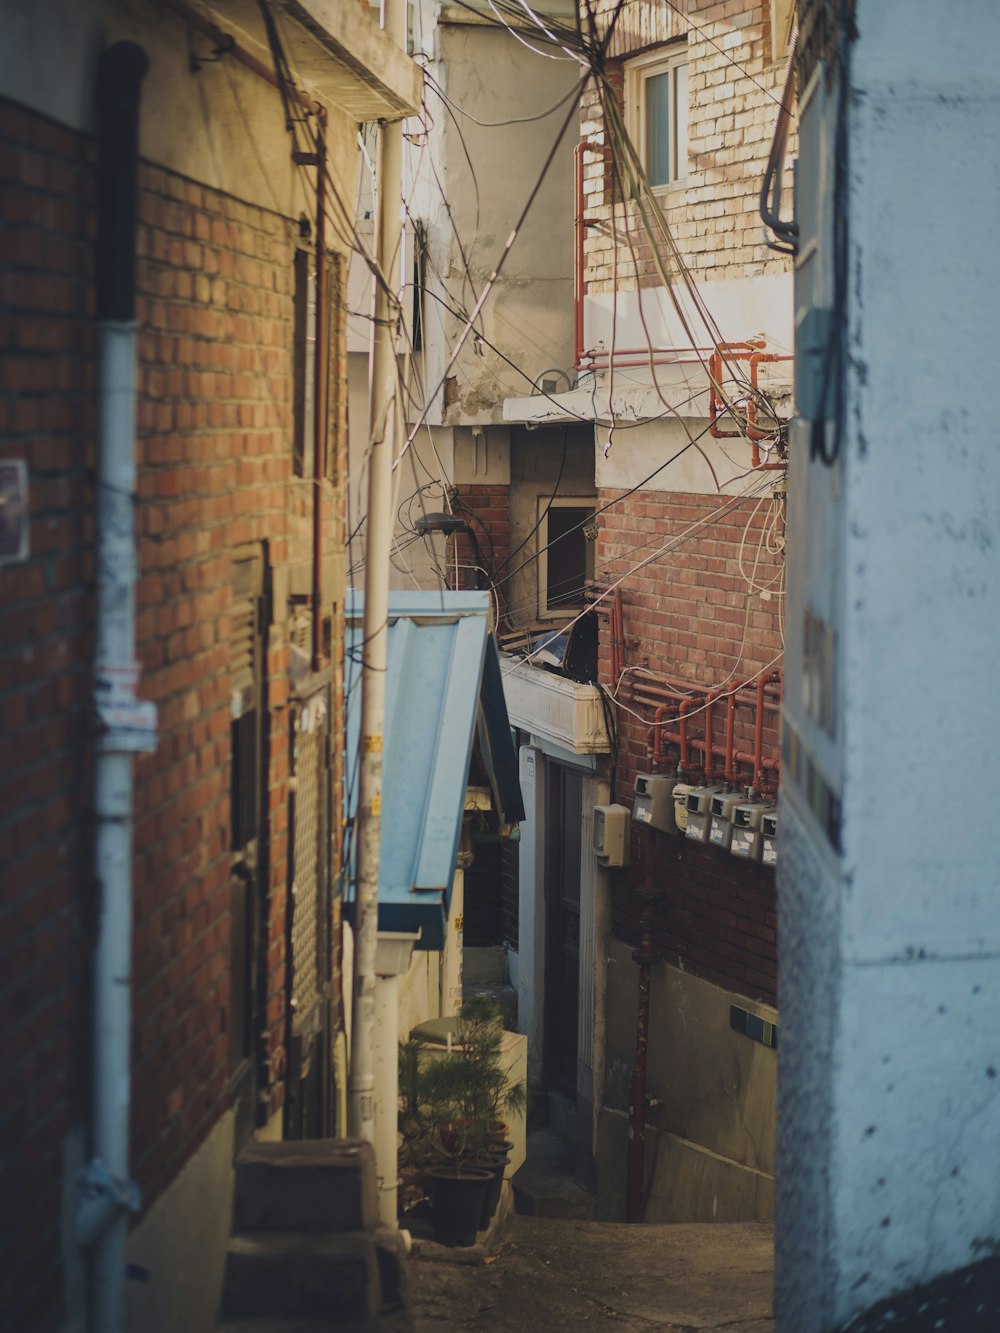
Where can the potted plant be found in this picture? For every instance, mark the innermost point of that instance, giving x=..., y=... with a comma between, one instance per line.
x=465, y=1093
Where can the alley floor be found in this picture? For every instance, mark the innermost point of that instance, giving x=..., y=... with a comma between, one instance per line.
x=545, y=1275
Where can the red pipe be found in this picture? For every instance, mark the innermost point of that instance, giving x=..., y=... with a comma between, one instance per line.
x=729, y=772
x=579, y=224
x=710, y=699
x=685, y=759
x=758, y=735
x=753, y=431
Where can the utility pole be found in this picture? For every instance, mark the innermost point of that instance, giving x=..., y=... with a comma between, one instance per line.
x=385, y=426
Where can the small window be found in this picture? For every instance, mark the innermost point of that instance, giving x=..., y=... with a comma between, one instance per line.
x=656, y=113
x=567, y=558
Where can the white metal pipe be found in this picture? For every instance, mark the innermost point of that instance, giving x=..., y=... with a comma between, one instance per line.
x=123, y=724
x=385, y=429
x=386, y=1095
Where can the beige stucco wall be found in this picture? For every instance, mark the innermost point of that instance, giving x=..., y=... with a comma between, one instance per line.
x=710, y=1129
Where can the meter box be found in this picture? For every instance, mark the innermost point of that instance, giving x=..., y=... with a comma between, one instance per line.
x=612, y=831
x=699, y=812
x=721, y=827
x=654, y=802
x=769, y=833
x=681, y=792
x=748, y=836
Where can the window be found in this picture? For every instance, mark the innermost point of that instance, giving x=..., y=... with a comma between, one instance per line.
x=567, y=557
x=656, y=113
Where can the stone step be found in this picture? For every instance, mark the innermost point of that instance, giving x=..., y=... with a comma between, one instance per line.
x=307, y=1274
x=318, y=1185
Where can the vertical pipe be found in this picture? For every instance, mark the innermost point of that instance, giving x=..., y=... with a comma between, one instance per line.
x=684, y=761
x=637, y=1087
x=730, y=772
x=709, y=756
x=384, y=438
x=124, y=725
x=758, y=734
x=578, y=268
x=320, y=377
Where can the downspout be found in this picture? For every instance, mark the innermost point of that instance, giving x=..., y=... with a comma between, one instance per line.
x=124, y=725
x=637, y=1087
x=320, y=377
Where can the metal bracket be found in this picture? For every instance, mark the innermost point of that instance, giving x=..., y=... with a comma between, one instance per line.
x=100, y=1201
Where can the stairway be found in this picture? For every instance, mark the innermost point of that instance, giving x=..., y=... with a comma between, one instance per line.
x=484, y=972
x=307, y=1253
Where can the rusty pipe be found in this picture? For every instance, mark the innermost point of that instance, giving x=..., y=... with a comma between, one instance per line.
x=710, y=699
x=320, y=369
x=729, y=772
x=685, y=758
x=758, y=734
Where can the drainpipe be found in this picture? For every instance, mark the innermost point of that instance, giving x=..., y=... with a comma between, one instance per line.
x=320, y=415
x=383, y=447
x=637, y=1087
x=124, y=724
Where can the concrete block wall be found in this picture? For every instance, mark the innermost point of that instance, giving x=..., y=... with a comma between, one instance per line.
x=734, y=87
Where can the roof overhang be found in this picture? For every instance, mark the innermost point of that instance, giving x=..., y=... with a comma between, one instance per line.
x=443, y=688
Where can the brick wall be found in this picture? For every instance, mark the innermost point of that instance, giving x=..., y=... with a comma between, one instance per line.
x=214, y=425
x=46, y=610
x=487, y=511
x=713, y=215
x=690, y=614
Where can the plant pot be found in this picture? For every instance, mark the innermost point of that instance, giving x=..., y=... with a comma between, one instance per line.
x=496, y=1164
x=457, y=1195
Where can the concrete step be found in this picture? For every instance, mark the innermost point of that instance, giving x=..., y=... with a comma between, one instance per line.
x=318, y=1185
x=307, y=1274
x=545, y=1185
x=393, y=1323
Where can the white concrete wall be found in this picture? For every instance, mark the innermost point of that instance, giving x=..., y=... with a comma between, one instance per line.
x=889, y=1115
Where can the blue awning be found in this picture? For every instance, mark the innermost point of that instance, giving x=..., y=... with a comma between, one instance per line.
x=443, y=683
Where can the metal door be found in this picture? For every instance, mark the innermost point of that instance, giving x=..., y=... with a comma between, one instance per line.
x=564, y=794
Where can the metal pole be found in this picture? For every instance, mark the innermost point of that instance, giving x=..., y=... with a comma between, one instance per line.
x=385, y=426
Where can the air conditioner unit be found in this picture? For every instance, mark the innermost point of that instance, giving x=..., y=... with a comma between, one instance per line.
x=654, y=802
x=612, y=828
x=748, y=836
x=699, y=812
x=721, y=827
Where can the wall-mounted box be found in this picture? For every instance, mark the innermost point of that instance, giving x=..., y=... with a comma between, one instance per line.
x=612, y=832
x=699, y=812
x=681, y=792
x=721, y=828
x=769, y=834
x=748, y=836
x=654, y=802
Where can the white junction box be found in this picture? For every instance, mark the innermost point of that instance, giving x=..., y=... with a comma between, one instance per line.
x=699, y=812
x=769, y=833
x=654, y=802
x=612, y=831
x=721, y=827
x=748, y=835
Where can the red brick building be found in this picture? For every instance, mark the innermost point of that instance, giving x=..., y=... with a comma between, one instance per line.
x=239, y=599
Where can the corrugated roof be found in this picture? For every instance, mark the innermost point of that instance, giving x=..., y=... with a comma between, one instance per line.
x=436, y=693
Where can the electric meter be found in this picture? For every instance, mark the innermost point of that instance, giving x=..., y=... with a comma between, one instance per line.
x=721, y=826
x=612, y=826
x=699, y=812
x=654, y=802
x=748, y=836
x=769, y=832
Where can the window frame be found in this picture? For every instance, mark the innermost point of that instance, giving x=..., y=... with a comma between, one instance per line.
x=544, y=505
x=663, y=60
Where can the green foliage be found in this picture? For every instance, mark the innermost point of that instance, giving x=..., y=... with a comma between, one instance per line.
x=450, y=1103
